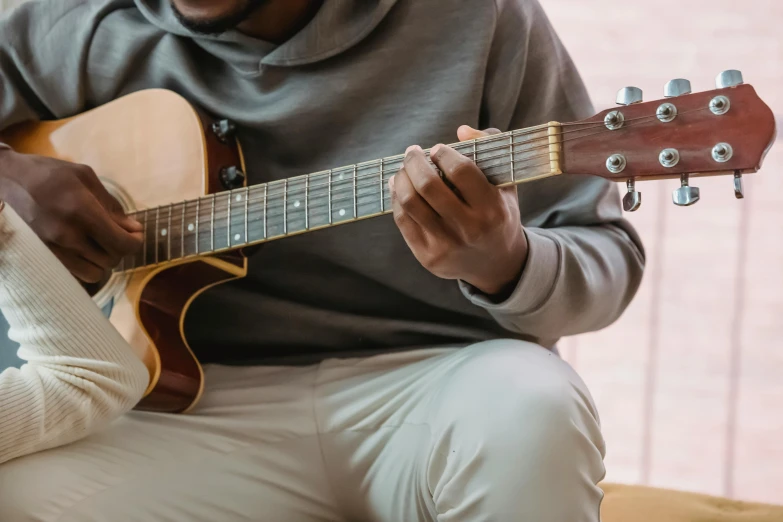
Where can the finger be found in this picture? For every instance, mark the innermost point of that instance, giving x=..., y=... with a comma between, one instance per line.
x=429, y=185
x=91, y=252
x=414, y=204
x=465, y=175
x=109, y=202
x=78, y=266
x=466, y=132
x=110, y=236
x=129, y=223
x=411, y=231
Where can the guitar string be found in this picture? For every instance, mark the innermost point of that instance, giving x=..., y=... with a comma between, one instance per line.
x=372, y=164
x=373, y=177
x=219, y=230
x=227, y=229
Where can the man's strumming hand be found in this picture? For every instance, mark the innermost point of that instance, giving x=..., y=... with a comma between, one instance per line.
x=68, y=207
x=475, y=236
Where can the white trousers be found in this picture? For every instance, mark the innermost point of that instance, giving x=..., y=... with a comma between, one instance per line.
x=500, y=431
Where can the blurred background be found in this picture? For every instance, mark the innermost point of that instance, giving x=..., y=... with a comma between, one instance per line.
x=689, y=382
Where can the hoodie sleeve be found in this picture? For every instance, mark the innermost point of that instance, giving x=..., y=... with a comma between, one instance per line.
x=79, y=374
x=585, y=261
x=43, y=55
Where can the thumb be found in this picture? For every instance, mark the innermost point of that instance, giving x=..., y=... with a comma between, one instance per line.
x=466, y=132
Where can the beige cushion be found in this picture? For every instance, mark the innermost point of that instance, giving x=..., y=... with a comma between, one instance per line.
x=642, y=504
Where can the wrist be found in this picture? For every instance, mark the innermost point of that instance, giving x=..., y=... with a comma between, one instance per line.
x=502, y=278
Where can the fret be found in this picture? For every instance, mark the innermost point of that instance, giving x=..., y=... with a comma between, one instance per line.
x=157, y=215
x=341, y=196
x=329, y=188
x=277, y=221
x=168, y=236
x=495, y=163
x=317, y=200
x=355, y=199
x=296, y=204
x=182, y=231
x=212, y=224
x=266, y=190
x=228, y=220
x=475, y=153
x=366, y=191
x=247, y=202
x=307, y=203
x=380, y=180
x=529, y=159
x=198, y=220
x=511, y=152
x=285, y=207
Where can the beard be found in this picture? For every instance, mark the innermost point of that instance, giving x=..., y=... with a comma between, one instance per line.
x=220, y=24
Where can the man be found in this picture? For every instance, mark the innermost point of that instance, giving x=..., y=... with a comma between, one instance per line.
x=384, y=370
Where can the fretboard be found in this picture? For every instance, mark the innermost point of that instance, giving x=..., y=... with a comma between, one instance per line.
x=238, y=218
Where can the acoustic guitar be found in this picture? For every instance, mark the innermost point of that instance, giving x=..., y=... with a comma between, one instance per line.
x=185, y=183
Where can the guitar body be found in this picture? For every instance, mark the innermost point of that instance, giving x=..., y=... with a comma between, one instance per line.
x=150, y=148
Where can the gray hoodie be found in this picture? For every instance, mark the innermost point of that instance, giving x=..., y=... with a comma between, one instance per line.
x=365, y=79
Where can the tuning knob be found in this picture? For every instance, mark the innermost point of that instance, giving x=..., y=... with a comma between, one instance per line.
x=632, y=199
x=232, y=177
x=730, y=78
x=224, y=130
x=686, y=195
x=738, y=192
x=629, y=96
x=677, y=87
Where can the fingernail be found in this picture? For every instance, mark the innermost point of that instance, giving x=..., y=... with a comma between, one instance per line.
x=391, y=183
x=412, y=148
x=435, y=149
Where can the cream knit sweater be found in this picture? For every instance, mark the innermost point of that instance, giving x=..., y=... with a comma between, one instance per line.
x=79, y=373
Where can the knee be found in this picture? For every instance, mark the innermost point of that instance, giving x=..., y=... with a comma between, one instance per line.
x=516, y=430
x=514, y=394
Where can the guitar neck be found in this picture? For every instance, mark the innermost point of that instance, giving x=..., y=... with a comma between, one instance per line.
x=244, y=217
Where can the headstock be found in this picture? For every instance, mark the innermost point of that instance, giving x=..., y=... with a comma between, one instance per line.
x=726, y=131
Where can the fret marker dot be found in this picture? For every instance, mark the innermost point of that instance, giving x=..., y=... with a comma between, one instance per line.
x=163, y=232
x=296, y=203
x=239, y=197
x=236, y=237
x=342, y=211
x=340, y=177
x=191, y=227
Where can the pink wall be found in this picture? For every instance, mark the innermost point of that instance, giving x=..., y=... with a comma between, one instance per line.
x=689, y=382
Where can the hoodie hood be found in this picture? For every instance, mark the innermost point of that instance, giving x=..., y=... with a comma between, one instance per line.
x=337, y=26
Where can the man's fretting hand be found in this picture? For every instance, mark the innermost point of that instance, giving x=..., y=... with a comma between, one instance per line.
x=475, y=236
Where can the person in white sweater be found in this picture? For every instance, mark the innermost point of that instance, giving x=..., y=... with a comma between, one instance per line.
x=79, y=374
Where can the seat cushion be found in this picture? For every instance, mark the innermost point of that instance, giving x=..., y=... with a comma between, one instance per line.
x=642, y=504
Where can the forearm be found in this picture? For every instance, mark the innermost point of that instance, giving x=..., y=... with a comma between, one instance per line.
x=576, y=279
x=79, y=372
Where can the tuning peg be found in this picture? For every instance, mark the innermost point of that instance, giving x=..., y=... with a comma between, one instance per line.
x=632, y=199
x=738, y=192
x=629, y=96
x=730, y=78
x=224, y=130
x=686, y=195
x=676, y=87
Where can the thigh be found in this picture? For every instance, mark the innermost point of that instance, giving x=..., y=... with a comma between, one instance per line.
x=248, y=452
x=495, y=431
